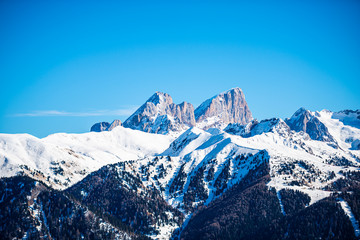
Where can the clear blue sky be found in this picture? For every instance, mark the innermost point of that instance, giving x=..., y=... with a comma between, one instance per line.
x=65, y=65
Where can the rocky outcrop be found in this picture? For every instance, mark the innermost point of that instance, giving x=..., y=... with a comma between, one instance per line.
x=304, y=120
x=114, y=124
x=105, y=126
x=225, y=108
x=160, y=115
x=99, y=127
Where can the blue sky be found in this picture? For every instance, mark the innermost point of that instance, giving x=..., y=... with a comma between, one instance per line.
x=67, y=65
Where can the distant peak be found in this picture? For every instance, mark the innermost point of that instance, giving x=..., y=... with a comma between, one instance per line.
x=161, y=93
x=299, y=112
x=160, y=115
x=160, y=97
x=226, y=107
x=236, y=91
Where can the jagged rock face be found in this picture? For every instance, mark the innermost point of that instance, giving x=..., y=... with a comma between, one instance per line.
x=105, y=126
x=304, y=120
x=114, y=124
x=185, y=112
x=99, y=127
x=160, y=115
x=225, y=108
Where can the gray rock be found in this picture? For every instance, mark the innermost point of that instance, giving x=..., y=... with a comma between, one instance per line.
x=225, y=108
x=304, y=120
x=160, y=115
x=114, y=124
x=105, y=126
x=99, y=127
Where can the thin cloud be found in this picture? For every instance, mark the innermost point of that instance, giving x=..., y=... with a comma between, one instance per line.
x=56, y=113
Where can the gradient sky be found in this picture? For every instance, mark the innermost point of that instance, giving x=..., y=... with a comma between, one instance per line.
x=65, y=65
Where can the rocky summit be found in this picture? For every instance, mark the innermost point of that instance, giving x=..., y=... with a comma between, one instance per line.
x=105, y=126
x=304, y=120
x=160, y=115
x=99, y=127
x=222, y=109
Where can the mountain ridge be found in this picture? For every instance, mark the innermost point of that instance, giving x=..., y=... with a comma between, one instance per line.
x=159, y=114
x=309, y=162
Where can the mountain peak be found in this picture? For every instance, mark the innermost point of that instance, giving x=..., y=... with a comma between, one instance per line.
x=235, y=90
x=306, y=121
x=300, y=111
x=105, y=126
x=99, y=127
x=160, y=115
x=224, y=108
x=160, y=97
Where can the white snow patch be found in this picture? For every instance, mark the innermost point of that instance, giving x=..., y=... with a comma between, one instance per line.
x=345, y=206
x=280, y=202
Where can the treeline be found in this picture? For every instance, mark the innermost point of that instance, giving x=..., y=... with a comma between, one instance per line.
x=121, y=198
x=250, y=210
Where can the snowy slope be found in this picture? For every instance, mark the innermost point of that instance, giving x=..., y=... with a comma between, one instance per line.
x=348, y=117
x=195, y=159
x=340, y=128
x=61, y=160
x=301, y=163
x=197, y=168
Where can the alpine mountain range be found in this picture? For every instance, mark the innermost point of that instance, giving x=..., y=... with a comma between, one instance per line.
x=174, y=172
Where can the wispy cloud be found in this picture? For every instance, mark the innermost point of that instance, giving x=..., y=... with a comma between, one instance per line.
x=57, y=113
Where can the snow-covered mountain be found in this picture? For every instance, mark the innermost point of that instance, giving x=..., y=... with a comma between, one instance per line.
x=60, y=160
x=304, y=120
x=168, y=184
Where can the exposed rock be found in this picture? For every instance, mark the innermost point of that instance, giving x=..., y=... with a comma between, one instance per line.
x=160, y=115
x=105, y=126
x=304, y=120
x=222, y=109
x=99, y=127
x=114, y=124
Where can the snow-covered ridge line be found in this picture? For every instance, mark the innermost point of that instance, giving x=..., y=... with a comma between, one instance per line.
x=60, y=160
